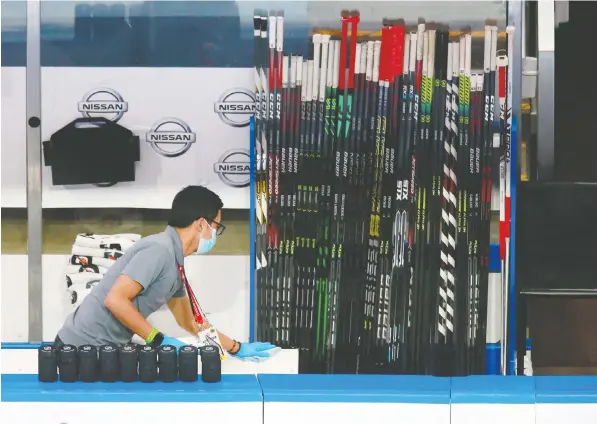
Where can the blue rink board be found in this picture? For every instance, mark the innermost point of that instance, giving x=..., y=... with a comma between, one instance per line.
x=303, y=388
x=493, y=389
x=232, y=388
x=566, y=389
x=355, y=388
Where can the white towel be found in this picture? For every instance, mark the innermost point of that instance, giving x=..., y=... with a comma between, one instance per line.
x=92, y=255
x=100, y=253
x=82, y=278
x=78, y=292
x=130, y=236
x=91, y=260
x=98, y=241
x=73, y=269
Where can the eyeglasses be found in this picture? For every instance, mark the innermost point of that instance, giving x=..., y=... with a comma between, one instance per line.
x=219, y=227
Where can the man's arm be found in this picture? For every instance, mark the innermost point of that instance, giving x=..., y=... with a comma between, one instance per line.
x=119, y=302
x=183, y=314
x=227, y=343
x=144, y=268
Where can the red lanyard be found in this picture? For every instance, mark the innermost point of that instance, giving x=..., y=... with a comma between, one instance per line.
x=197, y=312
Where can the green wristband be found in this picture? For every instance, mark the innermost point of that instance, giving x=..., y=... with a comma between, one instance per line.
x=149, y=339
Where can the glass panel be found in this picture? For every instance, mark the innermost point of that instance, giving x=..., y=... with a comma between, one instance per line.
x=14, y=174
x=125, y=61
x=84, y=40
x=211, y=33
x=574, y=96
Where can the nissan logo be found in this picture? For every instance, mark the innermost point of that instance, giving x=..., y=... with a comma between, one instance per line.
x=233, y=168
x=103, y=102
x=170, y=137
x=235, y=107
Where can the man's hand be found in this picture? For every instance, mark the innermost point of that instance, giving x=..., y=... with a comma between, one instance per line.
x=256, y=352
x=118, y=301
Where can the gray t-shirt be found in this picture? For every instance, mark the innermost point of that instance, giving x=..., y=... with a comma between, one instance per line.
x=152, y=262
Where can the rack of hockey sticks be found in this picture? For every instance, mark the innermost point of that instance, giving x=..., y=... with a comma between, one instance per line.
x=374, y=173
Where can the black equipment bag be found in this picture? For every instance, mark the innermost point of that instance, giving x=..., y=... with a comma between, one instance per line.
x=92, y=151
x=556, y=234
x=556, y=256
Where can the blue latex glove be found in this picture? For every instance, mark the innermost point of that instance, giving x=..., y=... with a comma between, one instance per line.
x=173, y=342
x=256, y=352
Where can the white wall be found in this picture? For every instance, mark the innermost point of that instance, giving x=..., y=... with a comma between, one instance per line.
x=13, y=158
x=158, y=178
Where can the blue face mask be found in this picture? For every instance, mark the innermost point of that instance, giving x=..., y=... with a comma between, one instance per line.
x=206, y=245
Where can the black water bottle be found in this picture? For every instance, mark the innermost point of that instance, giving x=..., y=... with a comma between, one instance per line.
x=68, y=364
x=211, y=364
x=128, y=363
x=47, y=364
x=188, y=363
x=167, y=363
x=109, y=365
x=148, y=364
x=88, y=363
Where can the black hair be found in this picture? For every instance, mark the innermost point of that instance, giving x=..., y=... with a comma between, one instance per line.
x=192, y=203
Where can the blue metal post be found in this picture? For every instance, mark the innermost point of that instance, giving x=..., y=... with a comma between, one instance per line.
x=252, y=206
x=512, y=283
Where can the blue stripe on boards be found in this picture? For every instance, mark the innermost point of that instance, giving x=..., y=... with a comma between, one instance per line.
x=232, y=388
x=303, y=388
x=21, y=345
x=566, y=389
x=493, y=389
x=360, y=388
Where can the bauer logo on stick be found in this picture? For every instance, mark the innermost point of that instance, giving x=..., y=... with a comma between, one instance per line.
x=233, y=168
x=235, y=107
x=170, y=137
x=103, y=102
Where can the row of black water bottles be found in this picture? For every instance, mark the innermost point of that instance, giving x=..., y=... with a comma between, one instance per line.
x=128, y=363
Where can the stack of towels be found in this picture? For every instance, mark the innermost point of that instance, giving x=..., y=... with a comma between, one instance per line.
x=91, y=257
